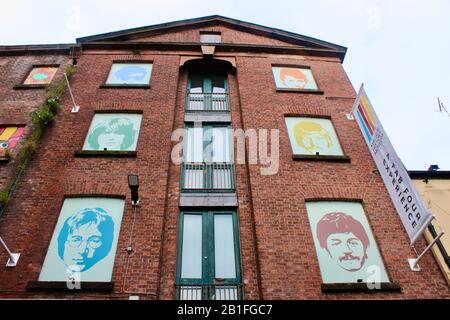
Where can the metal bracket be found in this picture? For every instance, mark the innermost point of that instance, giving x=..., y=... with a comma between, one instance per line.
x=350, y=116
x=413, y=263
x=75, y=107
x=13, y=257
x=12, y=261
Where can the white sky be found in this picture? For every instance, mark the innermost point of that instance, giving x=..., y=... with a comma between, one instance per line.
x=399, y=49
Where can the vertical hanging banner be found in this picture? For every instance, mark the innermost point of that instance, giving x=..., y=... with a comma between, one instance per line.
x=413, y=213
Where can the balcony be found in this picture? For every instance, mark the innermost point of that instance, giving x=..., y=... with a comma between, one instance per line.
x=208, y=102
x=209, y=292
x=208, y=177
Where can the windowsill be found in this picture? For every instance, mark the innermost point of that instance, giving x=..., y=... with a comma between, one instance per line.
x=124, y=86
x=186, y=191
x=62, y=286
x=305, y=157
x=95, y=153
x=313, y=91
x=359, y=287
x=29, y=86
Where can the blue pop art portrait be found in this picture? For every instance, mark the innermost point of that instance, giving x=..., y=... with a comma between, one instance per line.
x=84, y=241
x=86, y=238
x=130, y=73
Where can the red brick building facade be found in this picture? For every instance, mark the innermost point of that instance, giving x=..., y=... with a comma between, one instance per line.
x=274, y=243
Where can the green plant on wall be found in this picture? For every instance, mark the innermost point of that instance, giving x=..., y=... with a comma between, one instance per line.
x=40, y=118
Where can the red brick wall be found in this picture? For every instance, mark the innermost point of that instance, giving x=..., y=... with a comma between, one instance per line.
x=274, y=205
x=16, y=105
x=228, y=35
x=289, y=266
x=55, y=172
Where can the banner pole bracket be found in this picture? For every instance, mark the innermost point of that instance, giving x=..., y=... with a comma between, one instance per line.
x=75, y=107
x=413, y=263
x=13, y=257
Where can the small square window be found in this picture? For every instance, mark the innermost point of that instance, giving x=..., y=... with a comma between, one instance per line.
x=210, y=37
x=40, y=75
x=294, y=78
x=313, y=136
x=130, y=74
x=113, y=132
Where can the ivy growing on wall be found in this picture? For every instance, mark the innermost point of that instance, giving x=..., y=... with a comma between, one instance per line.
x=40, y=118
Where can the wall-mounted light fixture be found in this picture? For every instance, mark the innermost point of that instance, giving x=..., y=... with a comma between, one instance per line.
x=133, y=183
x=13, y=257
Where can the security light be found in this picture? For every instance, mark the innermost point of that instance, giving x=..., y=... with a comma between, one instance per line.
x=133, y=183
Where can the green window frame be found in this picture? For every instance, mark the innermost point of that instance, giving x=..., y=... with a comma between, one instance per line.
x=207, y=138
x=213, y=95
x=208, y=263
x=200, y=173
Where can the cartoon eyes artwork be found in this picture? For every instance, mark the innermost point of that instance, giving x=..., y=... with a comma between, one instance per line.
x=312, y=136
x=10, y=136
x=40, y=75
x=130, y=73
x=113, y=132
x=345, y=247
x=294, y=78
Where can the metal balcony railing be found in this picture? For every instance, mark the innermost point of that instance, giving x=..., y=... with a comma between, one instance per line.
x=208, y=177
x=208, y=102
x=209, y=292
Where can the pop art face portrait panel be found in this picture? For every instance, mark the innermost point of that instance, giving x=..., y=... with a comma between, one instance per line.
x=345, y=247
x=312, y=136
x=84, y=240
x=130, y=73
x=41, y=75
x=294, y=78
x=10, y=136
x=113, y=132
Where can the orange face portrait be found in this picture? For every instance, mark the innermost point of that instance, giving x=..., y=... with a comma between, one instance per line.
x=293, y=78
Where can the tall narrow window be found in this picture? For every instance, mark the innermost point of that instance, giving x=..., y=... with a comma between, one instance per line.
x=209, y=261
x=192, y=247
x=208, y=158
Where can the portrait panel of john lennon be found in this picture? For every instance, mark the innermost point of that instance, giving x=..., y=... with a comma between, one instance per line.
x=344, y=243
x=84, y=240
x=113, y=132
x=295, y=78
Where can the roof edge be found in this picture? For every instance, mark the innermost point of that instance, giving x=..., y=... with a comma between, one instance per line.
x=39, y=48
x=186, y=22
x=425, y=174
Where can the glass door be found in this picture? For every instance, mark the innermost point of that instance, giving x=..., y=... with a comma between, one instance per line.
x=208, y=256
